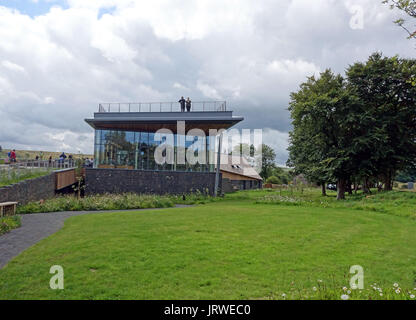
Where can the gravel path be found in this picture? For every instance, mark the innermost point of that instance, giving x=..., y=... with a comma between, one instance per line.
x=36, y=227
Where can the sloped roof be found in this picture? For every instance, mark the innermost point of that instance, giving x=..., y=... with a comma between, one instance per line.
x=238, y=165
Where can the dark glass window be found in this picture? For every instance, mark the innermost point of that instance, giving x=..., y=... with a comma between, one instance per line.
x=136, y=150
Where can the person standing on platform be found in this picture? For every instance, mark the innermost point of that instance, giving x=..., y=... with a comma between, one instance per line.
x=188, y=105
x=182, y=102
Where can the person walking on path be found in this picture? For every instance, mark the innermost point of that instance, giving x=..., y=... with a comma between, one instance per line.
x=188, y=105
x=182, y=102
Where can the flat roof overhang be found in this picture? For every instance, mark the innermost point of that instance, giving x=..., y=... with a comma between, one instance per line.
x=153, y=121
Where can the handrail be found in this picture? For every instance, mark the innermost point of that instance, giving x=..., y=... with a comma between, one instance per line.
x=204, y=106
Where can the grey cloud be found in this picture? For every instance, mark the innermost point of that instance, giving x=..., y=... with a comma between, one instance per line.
x=59, y=66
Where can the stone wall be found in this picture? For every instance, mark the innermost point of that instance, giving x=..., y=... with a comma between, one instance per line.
x=99, y=181
x=29, y=190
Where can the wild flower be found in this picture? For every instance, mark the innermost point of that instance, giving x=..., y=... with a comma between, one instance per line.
x=412, y=296
x=396, y=285
x=314, y=289
x=345, y=297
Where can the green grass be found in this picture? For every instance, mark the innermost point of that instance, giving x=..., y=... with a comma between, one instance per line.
x=18, y=175
x=9, y=223
x=230, y=249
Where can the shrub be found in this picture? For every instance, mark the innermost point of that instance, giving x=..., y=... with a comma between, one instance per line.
x=273, y=180
x=98, y=202
x=9, y=223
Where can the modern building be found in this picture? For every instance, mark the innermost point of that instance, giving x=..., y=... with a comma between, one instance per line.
x=128, y=134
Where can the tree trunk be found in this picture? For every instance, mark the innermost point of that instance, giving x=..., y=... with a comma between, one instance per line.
x=341, y=189
x=366, y=189
x=349, y=189
x=323, y=189
x=388, y=185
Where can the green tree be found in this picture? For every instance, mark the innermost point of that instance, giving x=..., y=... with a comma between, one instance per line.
x=407, y=175
x=319, y=141
x=386, y=124
x=244, y=149
x=407, y=6
x=273, y=180
x=268, y=161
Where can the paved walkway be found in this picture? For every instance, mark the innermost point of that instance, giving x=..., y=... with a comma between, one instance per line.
x=36, y=227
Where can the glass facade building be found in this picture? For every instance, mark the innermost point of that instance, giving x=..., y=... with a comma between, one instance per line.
x=136, y=150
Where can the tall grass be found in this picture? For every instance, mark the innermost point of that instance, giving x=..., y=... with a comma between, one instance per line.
x=98, y=202
x=10, y=175
x=113, y=202
x=400, y=203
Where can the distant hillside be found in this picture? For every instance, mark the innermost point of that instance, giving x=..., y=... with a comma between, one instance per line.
x=30, y=154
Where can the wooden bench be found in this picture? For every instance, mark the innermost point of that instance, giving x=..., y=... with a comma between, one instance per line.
x=7, y=209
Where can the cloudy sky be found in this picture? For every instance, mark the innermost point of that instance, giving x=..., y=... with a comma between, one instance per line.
x=59, y=59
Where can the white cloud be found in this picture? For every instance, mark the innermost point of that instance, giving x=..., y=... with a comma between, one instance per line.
x=208, y=91
x=12, y=66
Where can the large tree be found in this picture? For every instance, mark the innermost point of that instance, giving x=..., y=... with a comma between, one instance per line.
x=362, y=129
x=386, y=90
x=319, y=143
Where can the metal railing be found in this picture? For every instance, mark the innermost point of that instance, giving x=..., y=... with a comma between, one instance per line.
x=198, y=106
x=27, y=169
x=40, y=164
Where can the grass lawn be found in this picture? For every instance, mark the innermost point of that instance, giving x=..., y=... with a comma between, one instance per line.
x=232, y=249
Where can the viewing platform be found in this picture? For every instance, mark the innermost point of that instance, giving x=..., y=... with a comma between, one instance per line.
x=152, y=116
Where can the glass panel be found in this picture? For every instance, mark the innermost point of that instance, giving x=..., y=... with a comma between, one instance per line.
x=135, y=150
x=152, y=147
x=143, y=151
x=97, y=138
x=180, y=153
